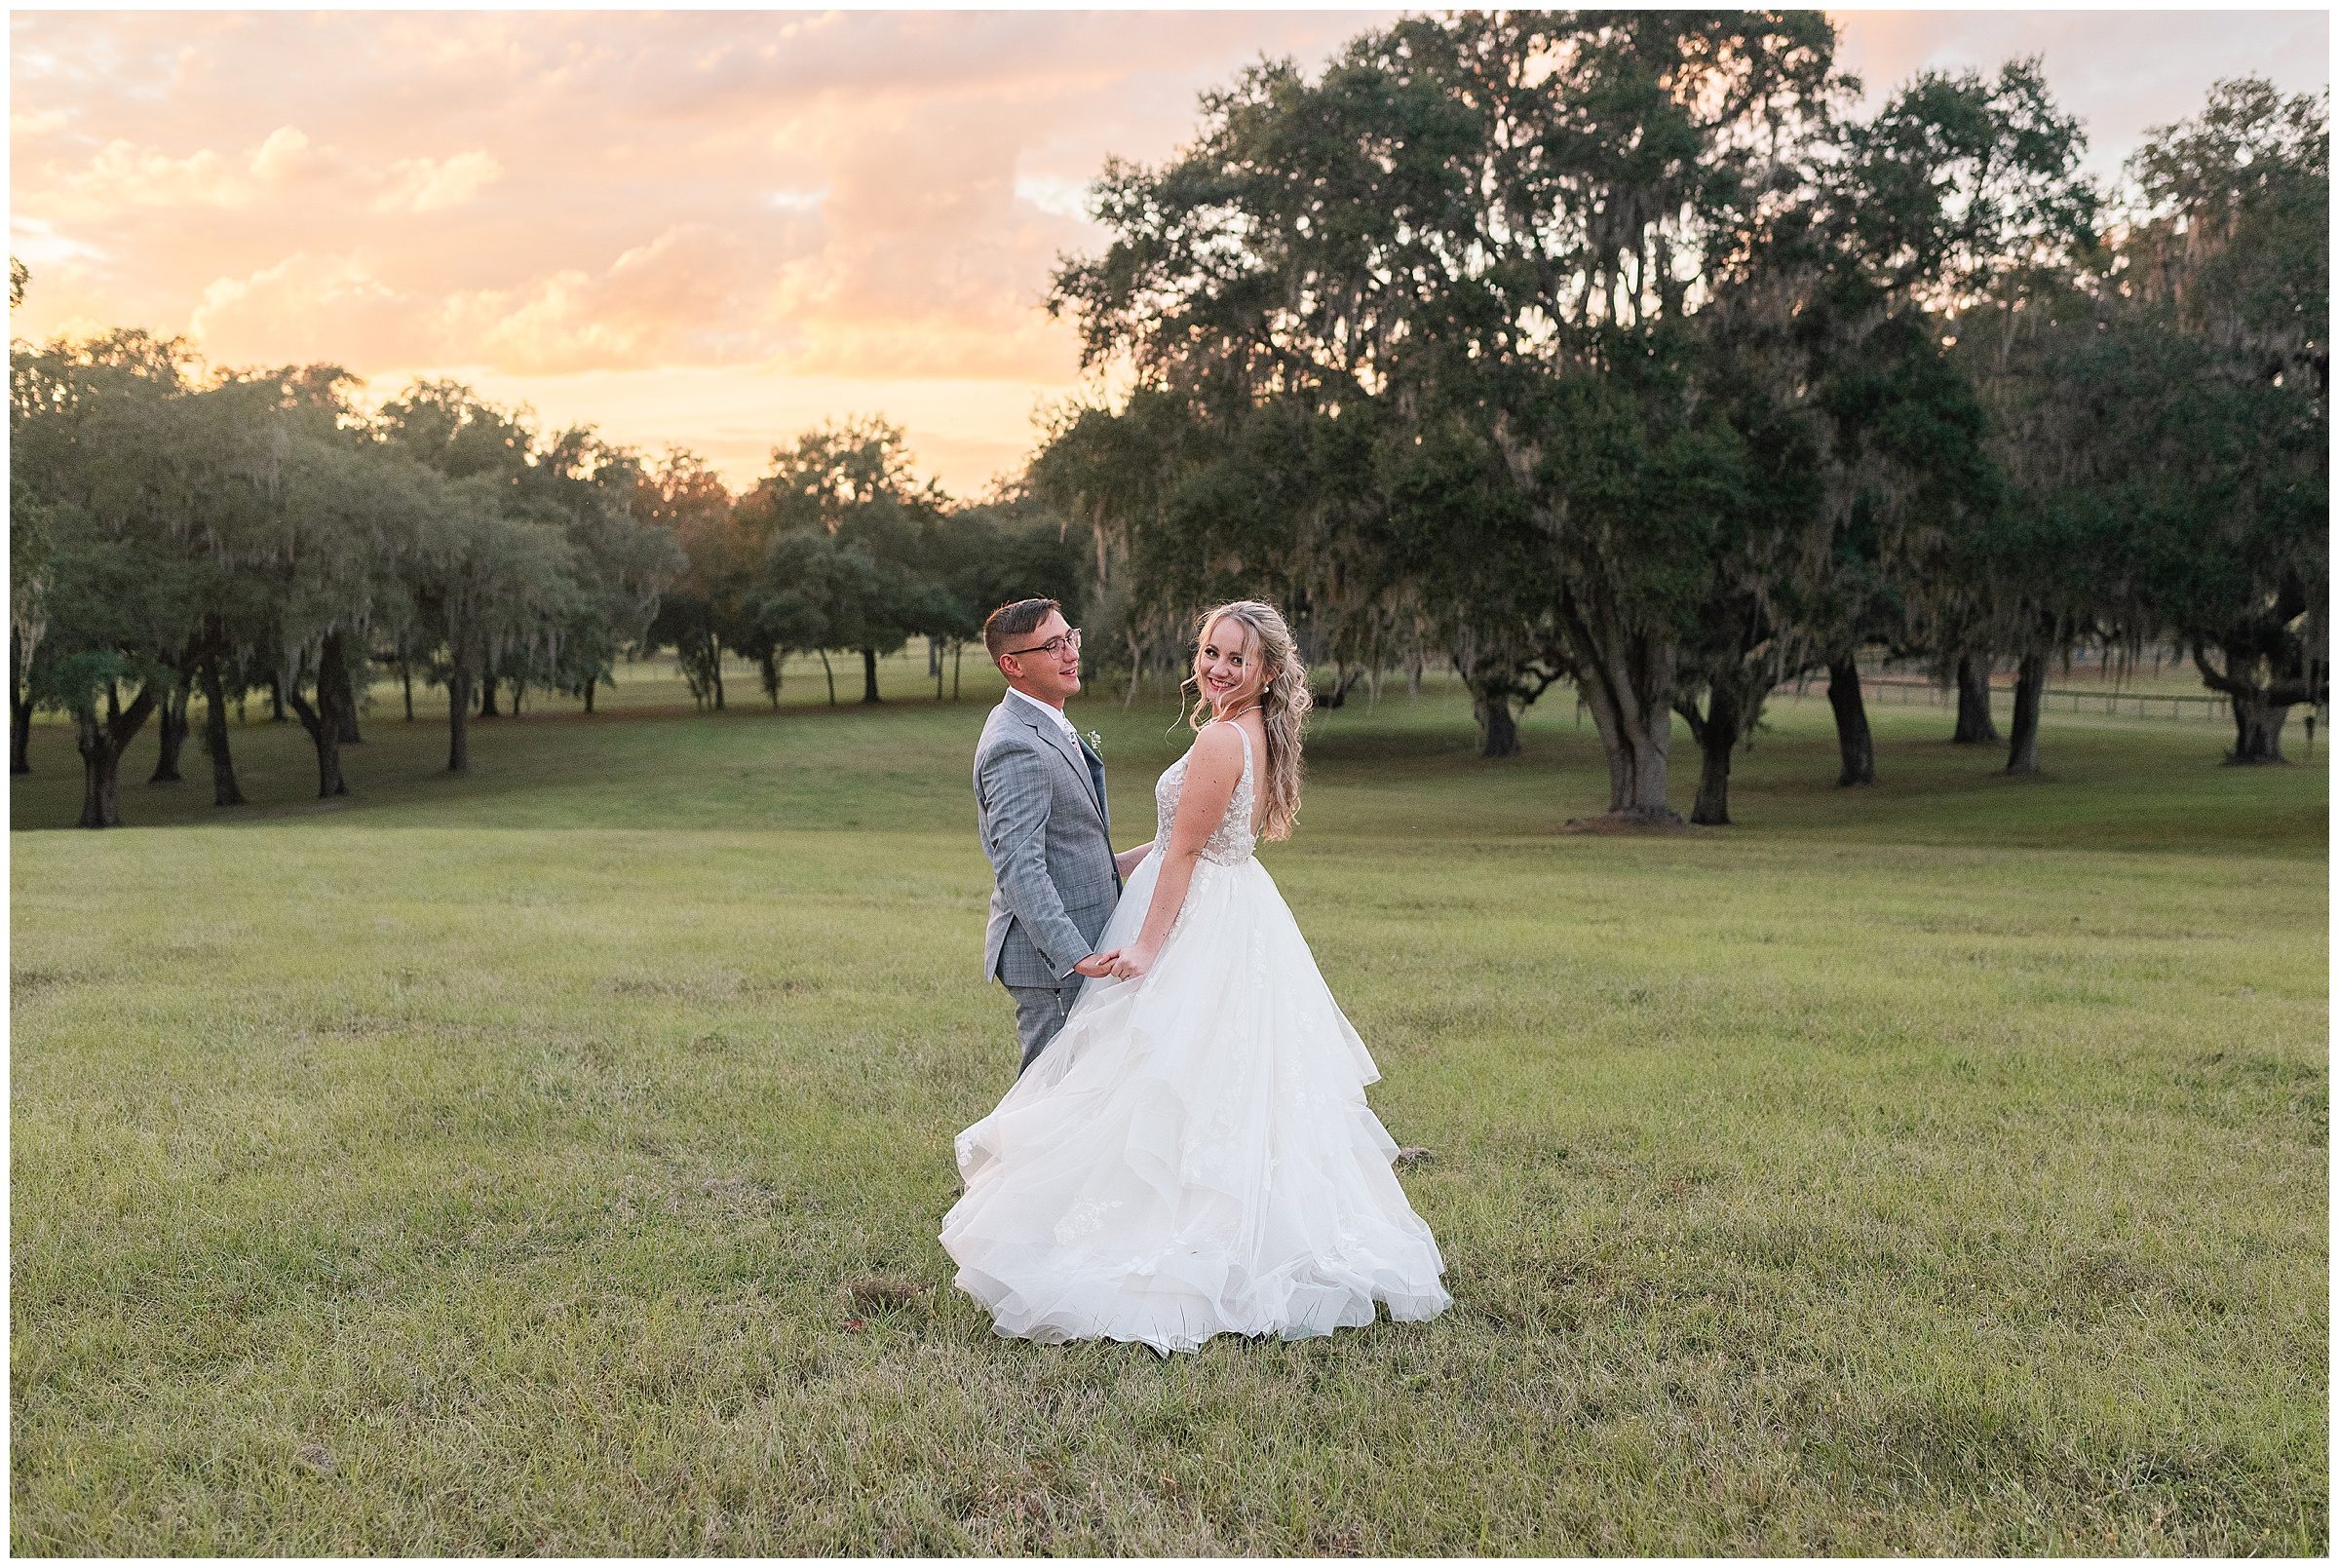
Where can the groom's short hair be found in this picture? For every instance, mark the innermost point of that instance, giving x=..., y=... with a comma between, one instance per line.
x=1011, y=621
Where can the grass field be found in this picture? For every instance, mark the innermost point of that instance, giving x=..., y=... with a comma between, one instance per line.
x=485, y=1164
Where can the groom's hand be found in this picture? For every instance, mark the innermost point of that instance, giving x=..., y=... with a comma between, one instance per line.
x=1096, y=965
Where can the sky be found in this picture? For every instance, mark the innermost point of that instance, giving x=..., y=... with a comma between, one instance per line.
x=717, y=229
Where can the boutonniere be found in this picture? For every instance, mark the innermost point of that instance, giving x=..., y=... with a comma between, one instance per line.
x=1096, y=742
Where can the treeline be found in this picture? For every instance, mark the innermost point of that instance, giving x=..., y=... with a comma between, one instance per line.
x=173, y=534
x=840, y=550
x=255, y=529
x=1614, y=349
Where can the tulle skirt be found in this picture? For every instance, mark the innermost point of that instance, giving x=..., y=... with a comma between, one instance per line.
x=1193, y=1154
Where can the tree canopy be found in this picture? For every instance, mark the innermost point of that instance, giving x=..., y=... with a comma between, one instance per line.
x=1611, y=348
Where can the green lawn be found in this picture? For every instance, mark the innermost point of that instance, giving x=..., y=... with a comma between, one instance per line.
x=485, y=1164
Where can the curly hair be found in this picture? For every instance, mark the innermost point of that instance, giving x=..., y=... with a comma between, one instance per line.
x=1284, y=703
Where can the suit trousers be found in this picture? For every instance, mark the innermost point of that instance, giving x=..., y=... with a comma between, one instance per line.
x=1040, y=1014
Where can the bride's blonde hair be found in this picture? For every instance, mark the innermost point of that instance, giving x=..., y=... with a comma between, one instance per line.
x=1284, y=703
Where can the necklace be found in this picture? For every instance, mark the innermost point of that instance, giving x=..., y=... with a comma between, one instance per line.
x=1229, y=718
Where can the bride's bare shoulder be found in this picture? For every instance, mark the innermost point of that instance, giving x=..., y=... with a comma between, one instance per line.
x=1250, y=727
x=1218, y=746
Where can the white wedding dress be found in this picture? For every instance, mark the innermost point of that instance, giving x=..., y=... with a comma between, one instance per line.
x=1192, y=1155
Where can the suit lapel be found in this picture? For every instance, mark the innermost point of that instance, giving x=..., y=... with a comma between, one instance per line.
x=1064, y=747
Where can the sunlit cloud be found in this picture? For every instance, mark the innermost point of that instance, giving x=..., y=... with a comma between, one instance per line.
x=1055, y=194
x=719, y=227
x=36, y=242
x=430, y=184
x=285, y=156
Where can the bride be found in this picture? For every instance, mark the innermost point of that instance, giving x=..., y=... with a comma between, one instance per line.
x=1193, y=1154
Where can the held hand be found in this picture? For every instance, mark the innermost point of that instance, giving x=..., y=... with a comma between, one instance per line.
x=1096, y=965
x=1131, y=963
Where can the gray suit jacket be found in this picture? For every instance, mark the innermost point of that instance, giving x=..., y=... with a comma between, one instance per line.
x=1046, y=833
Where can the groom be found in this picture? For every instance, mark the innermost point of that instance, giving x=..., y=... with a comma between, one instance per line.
x=1039, y=799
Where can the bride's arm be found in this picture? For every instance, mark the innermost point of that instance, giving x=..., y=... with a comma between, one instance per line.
x=1212, y=770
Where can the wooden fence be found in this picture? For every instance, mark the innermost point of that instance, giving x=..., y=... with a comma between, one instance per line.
x=2204, y=707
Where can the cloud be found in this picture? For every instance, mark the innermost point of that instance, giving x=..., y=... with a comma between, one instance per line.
x=1053, y=194
x=681, y=299
x=430, y=185
x=128, y=175
x=125, y=176
x=848, y=193
x=285, y=156
x=685, y=298
x=36, y=241
x=306, y=308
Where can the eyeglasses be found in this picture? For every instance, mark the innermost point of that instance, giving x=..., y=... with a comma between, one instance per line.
x=1054, y=647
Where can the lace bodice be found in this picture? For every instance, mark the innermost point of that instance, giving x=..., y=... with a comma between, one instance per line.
x=1234, y=840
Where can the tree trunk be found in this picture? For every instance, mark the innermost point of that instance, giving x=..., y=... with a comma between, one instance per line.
x=868, y=675
x=19, y=734
x=520, y=693
x=958, y=651
x=2259, y=710
x=1974, y=726
x=590, y=681
x=458, y=718
x=101, y=744
x=405, y=681
x=488, y=681
x=1627, y=680
x=276, y=701
x=2030, y=680
x=323, y=721
x=933, y=659
x=171, y=727
x=20, y=711
x=214, y=736
x=1852, y=736
x=1344, y=680
x=2258, y=730
x=829, y=671
x=716, y=664
x=1498, y=724
x=1716, y=736
x=345, y=706
x=100, y=794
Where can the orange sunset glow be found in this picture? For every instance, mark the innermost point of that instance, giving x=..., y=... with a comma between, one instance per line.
x=717, y=229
